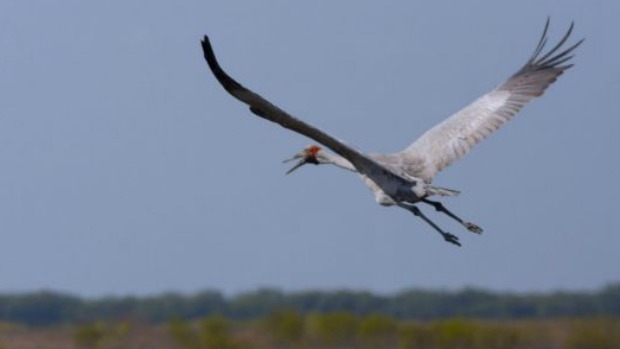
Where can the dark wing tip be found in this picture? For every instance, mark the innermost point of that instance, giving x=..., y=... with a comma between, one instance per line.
x=209, y=55
x=227, y=82
x=552, y=59
x=207, y=49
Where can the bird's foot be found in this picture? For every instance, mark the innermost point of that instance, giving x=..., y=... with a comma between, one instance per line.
x=451, y=238
x=472, y=227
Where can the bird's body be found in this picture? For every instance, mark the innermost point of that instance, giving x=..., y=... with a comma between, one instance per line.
x=403, y=165
x=405, y=178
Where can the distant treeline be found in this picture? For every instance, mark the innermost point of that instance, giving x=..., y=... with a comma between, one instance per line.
x=48, y=308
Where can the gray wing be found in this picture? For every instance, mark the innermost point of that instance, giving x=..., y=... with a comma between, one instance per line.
x=456, y=136
x=265, y=109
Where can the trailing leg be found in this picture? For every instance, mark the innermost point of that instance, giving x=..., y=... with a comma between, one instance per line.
x=416, y=211
x=441, y=208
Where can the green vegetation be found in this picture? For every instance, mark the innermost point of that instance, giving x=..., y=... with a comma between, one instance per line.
x=289, y=329
x=214, y=332
x=49, y=308
x=601, y=333
x=183, y=335
x=284, y=326
x=88, y=336
x=377, y=331
x=336, y=328
x=415, y=319
x=100, y=335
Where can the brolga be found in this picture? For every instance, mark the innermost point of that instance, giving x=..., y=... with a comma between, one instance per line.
x=405, y=178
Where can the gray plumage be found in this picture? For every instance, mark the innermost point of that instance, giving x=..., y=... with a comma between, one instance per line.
x=405, y=178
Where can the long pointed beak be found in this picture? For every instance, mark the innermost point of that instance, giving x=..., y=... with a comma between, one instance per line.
x=299, y=164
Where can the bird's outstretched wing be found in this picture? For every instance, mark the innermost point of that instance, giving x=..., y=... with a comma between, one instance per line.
x=265, y=109
x=451, y=139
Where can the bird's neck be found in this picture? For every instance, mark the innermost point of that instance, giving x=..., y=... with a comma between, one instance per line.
x=338, y=161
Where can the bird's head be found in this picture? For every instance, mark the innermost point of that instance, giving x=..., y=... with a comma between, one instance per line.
x=311, y=155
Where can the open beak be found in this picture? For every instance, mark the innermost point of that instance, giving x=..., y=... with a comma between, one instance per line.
x=299, y=164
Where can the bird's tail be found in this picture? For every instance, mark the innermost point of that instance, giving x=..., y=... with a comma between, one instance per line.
x=432, y=190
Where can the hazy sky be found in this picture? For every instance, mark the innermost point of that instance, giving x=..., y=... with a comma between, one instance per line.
x=126, y=168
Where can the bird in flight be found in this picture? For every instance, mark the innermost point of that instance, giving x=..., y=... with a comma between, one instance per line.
x=405, y=178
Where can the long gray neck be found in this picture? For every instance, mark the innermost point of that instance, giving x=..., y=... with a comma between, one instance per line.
x=337, y=160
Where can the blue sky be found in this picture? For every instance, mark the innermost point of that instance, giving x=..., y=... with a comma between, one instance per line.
x=126, y=168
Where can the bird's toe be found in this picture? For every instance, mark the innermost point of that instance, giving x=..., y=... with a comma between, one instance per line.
x=473, y=227
x=453, y=239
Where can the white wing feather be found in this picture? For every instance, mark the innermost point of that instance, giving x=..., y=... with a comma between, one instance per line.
x=451, y=139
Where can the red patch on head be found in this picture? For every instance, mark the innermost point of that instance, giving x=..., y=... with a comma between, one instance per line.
x=313, y=150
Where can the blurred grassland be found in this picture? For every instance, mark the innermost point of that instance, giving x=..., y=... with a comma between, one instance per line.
x=288, y=328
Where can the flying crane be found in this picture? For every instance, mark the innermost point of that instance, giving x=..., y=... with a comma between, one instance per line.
x=405, y=178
